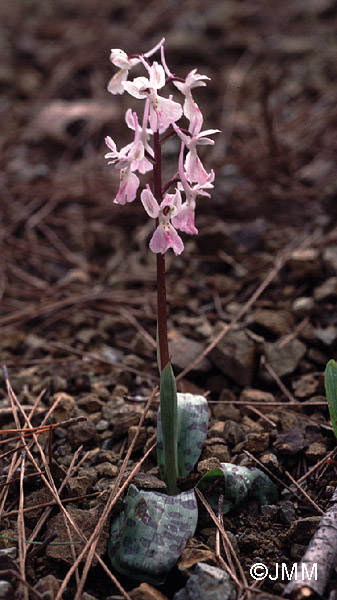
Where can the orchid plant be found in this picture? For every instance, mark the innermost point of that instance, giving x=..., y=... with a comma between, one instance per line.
x=149, y=535
x=174, y=211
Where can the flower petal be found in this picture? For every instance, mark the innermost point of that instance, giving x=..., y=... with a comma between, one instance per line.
x=195, y=169
x=158, y=241
x=136, y=151
x=165, y=237
x=120, y=59
x=184, y=220
x=115, y=85
x=150, y=203
x=143, y=165
x=163, y=112
x=157, y=76
x=110, y=143
x=129, y=183
x=192, y=80
x=137, y=87
x=130, y=119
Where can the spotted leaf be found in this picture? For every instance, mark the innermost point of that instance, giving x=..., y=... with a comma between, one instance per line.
x=150, y=534
x=238, y=484
x=191, y=431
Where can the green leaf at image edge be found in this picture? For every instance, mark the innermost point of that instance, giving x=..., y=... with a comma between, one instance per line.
x=148, y=537
x=330, y=382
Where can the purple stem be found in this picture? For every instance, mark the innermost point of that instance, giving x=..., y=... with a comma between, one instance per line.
x=161, y=283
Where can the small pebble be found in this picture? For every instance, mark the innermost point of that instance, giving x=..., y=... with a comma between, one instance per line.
x=287, y=513
x=207, y=583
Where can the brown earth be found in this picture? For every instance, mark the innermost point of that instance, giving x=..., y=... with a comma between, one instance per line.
x=78, y=287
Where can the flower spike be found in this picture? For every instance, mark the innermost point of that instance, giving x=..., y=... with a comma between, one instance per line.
x=172, y=211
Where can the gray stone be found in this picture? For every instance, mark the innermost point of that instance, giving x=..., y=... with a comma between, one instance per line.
x=91, y=403
x=269, y=460
x=257, y=442
x=216, y=430
x=287, y=513
x=79, y=485
x=184, y=350
x=328, y=335
x=234, y=355
x=65, y=407
x=48, y=587
x=81, y=433
x=6, y=590
x=327, y=290
x=251, y=395
x=305, y=386
x=102, y=425
x=233, y=433
x=303, y=305
x=330, y=258
x=209, y=463
x=278, y=322
x=302, y=530
x=316, y=451
x=269, y=511
x=291, y=442
x=11, y=552
x=106, y=469
x=316, y=171
x=216, y=450
x=207, y=583
x=283, y=359
x=304, y=265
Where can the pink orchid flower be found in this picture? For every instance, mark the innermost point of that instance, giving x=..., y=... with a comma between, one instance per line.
x=142, y=134
x=165, y=235
x=127, y=161
x=162, y=111
x=130, y=155
x=128, y=186
x=193, y=165
x=139, y=145
x=192, y=80
x=133, y=153
x=120, y=59
x=184, y=218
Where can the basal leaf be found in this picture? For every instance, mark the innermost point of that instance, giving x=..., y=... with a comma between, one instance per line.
x=238, y=483
x=191, y=431
x=169, y=429
x=150, y=534
x=330, y=382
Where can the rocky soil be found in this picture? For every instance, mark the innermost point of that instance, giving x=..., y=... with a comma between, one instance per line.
x=252, y=300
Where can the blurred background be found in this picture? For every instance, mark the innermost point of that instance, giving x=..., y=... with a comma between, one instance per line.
x=272, y=93
x=77, y=279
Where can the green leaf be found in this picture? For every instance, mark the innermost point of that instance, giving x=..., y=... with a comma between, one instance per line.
x=238, y=483
x=192, y=426
x=330, y=382
x=168, y=410
x=150, y=534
